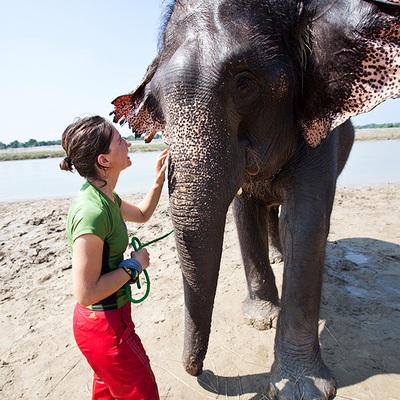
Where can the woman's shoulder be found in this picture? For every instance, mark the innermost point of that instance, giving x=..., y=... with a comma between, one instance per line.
x=89, y=214
x=88, y=202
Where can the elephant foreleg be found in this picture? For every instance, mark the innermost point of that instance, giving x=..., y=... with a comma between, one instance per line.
x=261, y=306
x=299, y=371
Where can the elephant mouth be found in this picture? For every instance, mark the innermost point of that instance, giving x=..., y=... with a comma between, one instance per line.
x=257, y=169
x=252, y=160
x=253, y=163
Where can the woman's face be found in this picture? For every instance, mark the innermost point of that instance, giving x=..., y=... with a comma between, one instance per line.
x=118, y=152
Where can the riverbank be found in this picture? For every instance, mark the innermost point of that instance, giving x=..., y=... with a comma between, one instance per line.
x=31, y=153
x=358, y=322
x=378, y=134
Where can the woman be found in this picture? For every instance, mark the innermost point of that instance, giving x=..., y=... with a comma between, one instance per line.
x=98, y=238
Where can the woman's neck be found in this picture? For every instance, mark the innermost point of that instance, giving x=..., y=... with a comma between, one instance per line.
x=107, y=188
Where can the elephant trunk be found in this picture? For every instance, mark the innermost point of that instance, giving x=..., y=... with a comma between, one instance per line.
x=202, y=184
x=199, y=251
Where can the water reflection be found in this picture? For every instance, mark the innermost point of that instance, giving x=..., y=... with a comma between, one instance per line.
x=370, y=163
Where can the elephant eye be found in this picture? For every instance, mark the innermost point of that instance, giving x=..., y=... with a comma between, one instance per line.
x=244, y=83
x=247, y=87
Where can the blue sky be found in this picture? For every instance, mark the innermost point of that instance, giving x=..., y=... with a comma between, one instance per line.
x=62, y=59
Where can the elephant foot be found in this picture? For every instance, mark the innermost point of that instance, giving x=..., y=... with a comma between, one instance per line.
x=260, y=314
x=307, y=384
x=275, y=256
x=275, y=253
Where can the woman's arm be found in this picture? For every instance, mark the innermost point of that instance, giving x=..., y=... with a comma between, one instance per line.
x=144, y=210
x=89, y=285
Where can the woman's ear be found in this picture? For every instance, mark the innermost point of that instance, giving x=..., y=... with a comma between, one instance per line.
x=103, y=161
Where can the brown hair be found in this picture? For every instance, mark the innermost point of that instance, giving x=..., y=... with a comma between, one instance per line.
x=83, y=141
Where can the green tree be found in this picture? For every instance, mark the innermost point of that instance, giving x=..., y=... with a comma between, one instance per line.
x=31, y=143
x=15, y=144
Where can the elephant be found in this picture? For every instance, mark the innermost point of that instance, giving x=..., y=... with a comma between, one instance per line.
x=254, y=99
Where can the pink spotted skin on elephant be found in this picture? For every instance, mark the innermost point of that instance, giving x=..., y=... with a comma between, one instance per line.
x=254, y=100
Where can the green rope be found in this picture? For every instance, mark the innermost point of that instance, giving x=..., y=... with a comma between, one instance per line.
x=128, y=290
x=137, y=245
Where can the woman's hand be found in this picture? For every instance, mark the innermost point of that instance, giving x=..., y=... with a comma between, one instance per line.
x=142, y=256
x=161, y=167
x=144, y=210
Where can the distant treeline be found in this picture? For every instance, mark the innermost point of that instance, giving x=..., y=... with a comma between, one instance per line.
x=16, y=144
x=34, y=143
x=379, y=126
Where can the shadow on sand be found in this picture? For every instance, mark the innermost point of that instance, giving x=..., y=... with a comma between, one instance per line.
x=359, y=318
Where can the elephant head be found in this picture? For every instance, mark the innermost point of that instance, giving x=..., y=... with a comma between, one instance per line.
x=245, y=93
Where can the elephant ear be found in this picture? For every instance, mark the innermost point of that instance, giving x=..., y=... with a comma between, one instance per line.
x=140, y=109
x=354, y=63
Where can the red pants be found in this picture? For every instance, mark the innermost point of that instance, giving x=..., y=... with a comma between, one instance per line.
x=114, y=351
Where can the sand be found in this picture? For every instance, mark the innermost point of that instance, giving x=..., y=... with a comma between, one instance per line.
x=359, y=321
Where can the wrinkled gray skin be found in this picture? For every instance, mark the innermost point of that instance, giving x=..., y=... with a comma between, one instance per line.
x=248, y=95
x=346, y=136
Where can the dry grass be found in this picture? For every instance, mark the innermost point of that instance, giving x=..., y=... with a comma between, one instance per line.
x=378, y=134
x=31, y=153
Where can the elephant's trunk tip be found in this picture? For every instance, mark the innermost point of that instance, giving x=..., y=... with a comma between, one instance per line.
x=193, y=368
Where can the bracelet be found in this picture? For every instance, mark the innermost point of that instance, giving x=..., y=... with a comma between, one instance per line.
x=134, y=275
x=132, y=267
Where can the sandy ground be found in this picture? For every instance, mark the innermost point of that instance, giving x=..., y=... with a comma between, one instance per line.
x=359, y=322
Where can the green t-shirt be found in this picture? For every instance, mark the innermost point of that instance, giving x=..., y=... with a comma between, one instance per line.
x=93, y=212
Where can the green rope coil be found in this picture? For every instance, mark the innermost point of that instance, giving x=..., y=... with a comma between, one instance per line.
x=137, y=245
x=128, y=290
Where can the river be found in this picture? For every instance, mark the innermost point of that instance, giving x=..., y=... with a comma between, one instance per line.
x=370, y=163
